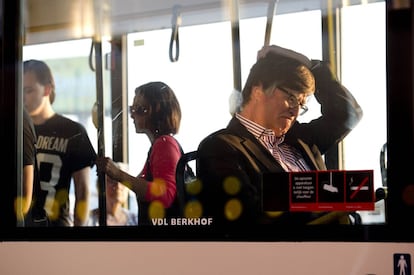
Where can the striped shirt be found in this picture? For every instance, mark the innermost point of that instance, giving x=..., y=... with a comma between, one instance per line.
x=287, y=156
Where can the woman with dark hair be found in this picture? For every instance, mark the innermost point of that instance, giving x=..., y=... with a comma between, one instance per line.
x=155, y=112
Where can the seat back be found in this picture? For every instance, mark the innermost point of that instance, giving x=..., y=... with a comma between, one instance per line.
x=184, y=176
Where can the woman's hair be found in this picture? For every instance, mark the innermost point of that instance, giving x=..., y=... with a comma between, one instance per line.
x=274, y=70
x=164, y=112
x=43, y=75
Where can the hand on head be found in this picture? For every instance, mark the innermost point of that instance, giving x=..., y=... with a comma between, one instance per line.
x=284, y=52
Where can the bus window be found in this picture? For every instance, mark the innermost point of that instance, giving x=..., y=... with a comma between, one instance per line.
x=202, y=78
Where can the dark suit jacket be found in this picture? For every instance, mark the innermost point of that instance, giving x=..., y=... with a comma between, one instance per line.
x=231, y=161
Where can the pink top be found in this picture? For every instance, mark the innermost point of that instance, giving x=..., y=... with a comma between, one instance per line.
x=163, y=160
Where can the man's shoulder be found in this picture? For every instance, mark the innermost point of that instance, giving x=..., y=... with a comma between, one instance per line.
x=216, y=134
x=222, y=138
x=234, y=130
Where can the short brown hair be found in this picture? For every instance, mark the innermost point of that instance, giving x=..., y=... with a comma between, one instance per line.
x=275, y=70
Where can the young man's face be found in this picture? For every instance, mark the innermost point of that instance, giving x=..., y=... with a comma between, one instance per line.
x=34, y=94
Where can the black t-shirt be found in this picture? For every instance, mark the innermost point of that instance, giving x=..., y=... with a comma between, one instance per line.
x=36, y=215
x=63, y=147
x=29, y=140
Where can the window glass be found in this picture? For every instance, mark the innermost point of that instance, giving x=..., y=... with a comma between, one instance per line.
x=364, y=74
x=202, y=78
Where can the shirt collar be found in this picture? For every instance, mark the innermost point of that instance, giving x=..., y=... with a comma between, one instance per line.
x=260, y=132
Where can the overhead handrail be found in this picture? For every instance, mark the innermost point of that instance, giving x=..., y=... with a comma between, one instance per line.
x=271, y=11
x=91, y=65
x=384, y=164
x=175, y=41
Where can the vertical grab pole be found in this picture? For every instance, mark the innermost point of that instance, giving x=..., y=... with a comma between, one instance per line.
x=97, y=42
x=270, y=14
x=101, y=130
x=331, y=51
x=235, y=36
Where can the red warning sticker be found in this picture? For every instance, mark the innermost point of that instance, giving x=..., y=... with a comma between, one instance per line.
x=331, y=190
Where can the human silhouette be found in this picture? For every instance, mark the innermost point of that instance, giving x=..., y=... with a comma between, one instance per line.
x=402, y=264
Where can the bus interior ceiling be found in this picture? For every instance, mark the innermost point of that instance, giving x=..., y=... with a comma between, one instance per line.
x=76, y=19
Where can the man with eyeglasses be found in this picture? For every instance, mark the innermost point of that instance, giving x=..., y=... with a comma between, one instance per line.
x=264, y=136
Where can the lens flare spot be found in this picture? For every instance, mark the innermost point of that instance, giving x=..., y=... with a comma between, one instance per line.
x=194, y=187
x=158, y=187
x=193, y=209
x=19, y=203
x=53, y=205
x=408, y=195
x=53, y=209
x=233, y=209
x=274, y=214
x=61, y=196
x=82, y=210
x=156, y=210
x=231, y=185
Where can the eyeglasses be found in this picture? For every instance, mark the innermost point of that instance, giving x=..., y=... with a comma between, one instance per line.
x=138, y=110
x=294, y=102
